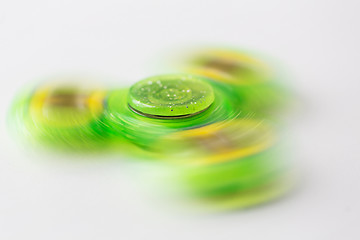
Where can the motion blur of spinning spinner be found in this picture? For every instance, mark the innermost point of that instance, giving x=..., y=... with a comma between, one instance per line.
x=215, y=123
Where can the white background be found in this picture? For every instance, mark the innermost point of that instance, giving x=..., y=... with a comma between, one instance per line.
x=50, y=197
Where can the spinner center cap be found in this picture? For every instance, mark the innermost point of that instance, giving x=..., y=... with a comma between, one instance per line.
x=172, y=96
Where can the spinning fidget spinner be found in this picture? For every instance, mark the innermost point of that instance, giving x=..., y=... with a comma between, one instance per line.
x=213, y=123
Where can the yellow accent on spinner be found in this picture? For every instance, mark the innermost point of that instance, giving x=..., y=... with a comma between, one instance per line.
x=78, y=108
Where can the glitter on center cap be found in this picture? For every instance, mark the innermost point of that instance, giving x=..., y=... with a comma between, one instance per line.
x=165, y=96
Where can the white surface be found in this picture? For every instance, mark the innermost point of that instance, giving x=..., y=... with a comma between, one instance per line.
x=317, y=41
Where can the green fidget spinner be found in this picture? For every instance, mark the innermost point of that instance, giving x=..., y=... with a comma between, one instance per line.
x=208, y=124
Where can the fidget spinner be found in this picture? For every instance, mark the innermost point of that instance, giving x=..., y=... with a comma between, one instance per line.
x=212, y=124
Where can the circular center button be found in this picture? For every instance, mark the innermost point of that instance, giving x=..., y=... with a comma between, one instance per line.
x=164, y=96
